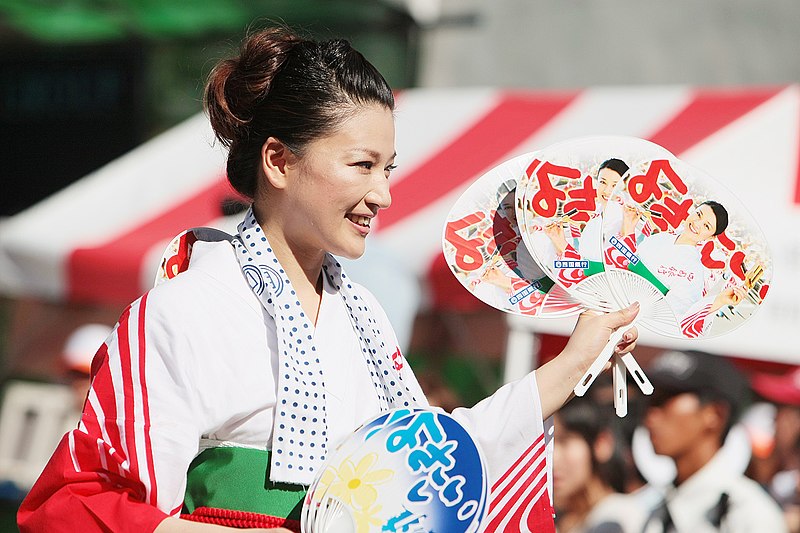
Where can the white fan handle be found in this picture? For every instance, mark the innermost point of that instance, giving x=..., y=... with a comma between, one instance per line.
x=638, y=374
x=619, y=377
x=600, y=362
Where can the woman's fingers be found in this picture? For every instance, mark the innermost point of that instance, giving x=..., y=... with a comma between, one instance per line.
x=628, y=342
x=623, y=317
x=593, y=331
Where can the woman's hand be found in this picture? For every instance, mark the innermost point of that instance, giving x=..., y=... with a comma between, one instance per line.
x=593, y=330
x=556, y=234
x=557, y=378
x=630, y=217
x=730, y=296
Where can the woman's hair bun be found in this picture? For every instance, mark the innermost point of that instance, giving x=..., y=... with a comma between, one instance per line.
x=284, y=86
x=236, y=85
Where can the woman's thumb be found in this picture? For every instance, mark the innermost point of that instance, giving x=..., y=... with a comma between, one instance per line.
x=622, y=317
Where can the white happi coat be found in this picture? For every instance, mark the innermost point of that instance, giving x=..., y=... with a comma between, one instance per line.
x=195, y=360
x=678, y=267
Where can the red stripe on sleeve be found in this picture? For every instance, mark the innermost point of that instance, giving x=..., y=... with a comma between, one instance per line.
x=528, y=470
x=516, y=464
x=530, y=510
x=145, y=406
x=128, y=437
x=91, y=499
x=84, y=486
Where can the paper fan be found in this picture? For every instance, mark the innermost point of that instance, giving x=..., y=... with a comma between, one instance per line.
x=405, y=470
x=564, y=202
x=316, y=506
x=483, y=248
x=562, y=197
x=689, y=242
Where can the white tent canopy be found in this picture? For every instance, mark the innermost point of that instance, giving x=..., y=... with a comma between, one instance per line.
x=99, y=239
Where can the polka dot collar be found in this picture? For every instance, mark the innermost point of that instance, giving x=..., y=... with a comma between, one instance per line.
x=300, y=435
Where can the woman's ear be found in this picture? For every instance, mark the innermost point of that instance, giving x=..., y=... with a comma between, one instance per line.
x=276, y=159
x=604, y=446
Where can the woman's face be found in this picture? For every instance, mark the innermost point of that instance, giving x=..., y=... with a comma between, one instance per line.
x=340, y=183
x=607, y=179
x=572, y=465
x=701, y=224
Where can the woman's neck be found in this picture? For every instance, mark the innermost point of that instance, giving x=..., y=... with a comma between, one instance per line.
x=685, y=238
x=302, y=267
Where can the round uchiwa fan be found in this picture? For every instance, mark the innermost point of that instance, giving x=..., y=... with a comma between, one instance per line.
x=406, y=470
x=483, y=248
x=689, y=241
x=563, y=199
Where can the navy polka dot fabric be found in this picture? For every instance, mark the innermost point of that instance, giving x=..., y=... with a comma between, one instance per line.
x=300, y=417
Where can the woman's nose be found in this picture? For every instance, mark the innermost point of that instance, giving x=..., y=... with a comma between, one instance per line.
x=379, y=194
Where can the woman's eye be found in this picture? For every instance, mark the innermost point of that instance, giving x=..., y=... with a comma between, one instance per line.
x=364, y=164
x=390, y=168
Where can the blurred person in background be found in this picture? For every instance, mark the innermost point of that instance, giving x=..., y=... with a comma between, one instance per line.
x=588, y=474
x=216, y=398
x=779, y=470
x=35, y=414
x=76, y=358
x=602, y=395
x=697, y=399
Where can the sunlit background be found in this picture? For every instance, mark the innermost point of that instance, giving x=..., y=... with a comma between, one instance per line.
x=105, y=155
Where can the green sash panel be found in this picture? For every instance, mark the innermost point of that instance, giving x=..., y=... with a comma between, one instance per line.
x=238, y=479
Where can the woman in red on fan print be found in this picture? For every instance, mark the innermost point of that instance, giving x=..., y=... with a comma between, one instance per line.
x=218, y=395
x=588, y=244
x=609, y=174
x=675, y=261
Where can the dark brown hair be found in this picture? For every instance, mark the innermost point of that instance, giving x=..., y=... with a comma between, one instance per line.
x=720, y=214
x=617, y=165
x=284, y=86
x=583, y=416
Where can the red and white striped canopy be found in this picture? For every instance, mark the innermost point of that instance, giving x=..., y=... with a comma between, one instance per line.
x=99, y=240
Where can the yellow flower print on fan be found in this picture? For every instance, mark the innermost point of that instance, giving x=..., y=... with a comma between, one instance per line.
x=355, y=484
x=367, y=518
x=327, y=477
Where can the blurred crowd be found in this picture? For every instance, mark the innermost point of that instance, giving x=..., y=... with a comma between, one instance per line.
x=712, y=449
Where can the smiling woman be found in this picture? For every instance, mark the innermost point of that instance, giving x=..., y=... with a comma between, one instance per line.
x=676, y=262
x=348, y=169
x=221, y=392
